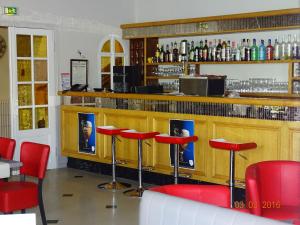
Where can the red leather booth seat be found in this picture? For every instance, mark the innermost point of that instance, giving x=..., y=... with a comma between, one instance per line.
x=211, y=194
x=273, y=189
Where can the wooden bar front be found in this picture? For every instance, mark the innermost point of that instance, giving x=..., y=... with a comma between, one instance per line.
x=275, y=139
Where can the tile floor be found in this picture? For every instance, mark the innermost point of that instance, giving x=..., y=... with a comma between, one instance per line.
x=85, y=204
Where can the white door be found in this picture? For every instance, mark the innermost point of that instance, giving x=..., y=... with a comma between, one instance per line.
x=33, y=88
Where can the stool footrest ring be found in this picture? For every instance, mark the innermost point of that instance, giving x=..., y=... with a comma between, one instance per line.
x=114, y=186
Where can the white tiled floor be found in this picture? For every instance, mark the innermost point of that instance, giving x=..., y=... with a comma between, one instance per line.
x=88, y=204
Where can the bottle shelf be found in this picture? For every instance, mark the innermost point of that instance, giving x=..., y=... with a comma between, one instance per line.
x=296, y=78
x=166, y=63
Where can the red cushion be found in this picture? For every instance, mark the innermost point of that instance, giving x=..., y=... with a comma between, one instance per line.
x=18, y=195
x=109, y=130
x=132, y=134
x=282, y=213
x=174, y=139
x=211, y=194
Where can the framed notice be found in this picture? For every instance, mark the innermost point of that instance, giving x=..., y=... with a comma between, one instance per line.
x=86, y=133
x=183, y=128
x=79, y=71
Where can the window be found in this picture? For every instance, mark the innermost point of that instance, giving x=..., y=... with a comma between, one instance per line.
x=111, y=54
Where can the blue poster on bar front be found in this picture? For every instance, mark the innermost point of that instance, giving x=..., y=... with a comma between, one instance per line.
x=87, y=133
x=183, y=128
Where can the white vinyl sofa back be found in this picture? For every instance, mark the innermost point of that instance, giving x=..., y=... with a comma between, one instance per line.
x=18, y=219
x=161, y=209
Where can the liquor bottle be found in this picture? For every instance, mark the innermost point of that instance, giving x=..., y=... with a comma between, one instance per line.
x=289, y=48
x=238, y=53
x=201, y=51
x=175, y=52
x=296, y=47
x=233, y=51
x=247, y=51
x=254, y=51
x=196, y=54
x=214, y=51
x=192, y=52
x=167, y=54
x=269, y=51
x=183, y=50
x=157, y=54
x=276, y=50
x=218, y=51
x=228, y=52
x=262, y=51
x=210, y=51
x=282, y=49
x=162, y=54
x=205, y=51
x=242, y=49
x=171, y=55
x=223, y=51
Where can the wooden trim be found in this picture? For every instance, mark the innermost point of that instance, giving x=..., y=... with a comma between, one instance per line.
x=244, y=101
x=213, y=18
x=290, y=76
x=162, y=77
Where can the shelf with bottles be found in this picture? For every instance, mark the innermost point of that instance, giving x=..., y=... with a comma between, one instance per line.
x=248, y=62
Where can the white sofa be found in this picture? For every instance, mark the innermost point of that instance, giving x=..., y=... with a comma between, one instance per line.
x=161, y=209
x=18, y=219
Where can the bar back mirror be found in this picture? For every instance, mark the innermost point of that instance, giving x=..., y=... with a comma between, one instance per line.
x=79, y=74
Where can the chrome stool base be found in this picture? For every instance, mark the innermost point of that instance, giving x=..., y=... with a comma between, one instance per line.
x=134, y=192
x=114, y=186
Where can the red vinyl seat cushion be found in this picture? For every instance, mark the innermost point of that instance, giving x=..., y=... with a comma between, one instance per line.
x=174, y=139
x=210, y=194
x=18, y=195
x=138, y=135
x=282, y=213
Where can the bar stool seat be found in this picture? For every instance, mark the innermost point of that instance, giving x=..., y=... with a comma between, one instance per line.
x=167, y=139
x=222, y=144
x=113, y=132
x=140, y=136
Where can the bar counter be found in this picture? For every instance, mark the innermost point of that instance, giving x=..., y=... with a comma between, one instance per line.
x=273, y=124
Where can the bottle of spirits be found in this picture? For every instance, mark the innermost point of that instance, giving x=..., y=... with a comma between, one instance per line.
x=196, y=55
x=262, y=51
x=183, y=50
x=238, y=53
x=157, y=54
x=289, y=48
x=283, y=49
x=247, y=51
x=162, y=54
x=210, y=51
x=233, y=51
x=223, y=51
x=167, y=54
x=296, y=47
x=205, y=51
x=242, y=49
x=218, y=51
x=175, y=53
x=201, y=51
x=254, y=51
x=214, y=51
x=269, y=51
x=276, y=54
x=192, y=52
x=228, y=52
x=171, y=55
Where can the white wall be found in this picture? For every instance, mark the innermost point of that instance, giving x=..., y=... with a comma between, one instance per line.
x=169, y=9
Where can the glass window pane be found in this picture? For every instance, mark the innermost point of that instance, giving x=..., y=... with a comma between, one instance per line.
x=24, y=94
x=23, y=46
x=105, y=64
x=105, y=81
x=41, y=94
x=40, y=46
x=106, y=46
x=118, y=47
x=119, y=61
x=41, y=117
x=25, y=119
x=40, y=70
x=24, y=70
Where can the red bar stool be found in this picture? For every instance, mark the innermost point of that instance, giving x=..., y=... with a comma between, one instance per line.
x=164, y=138
x=140, y=136
x=232, y=147
x=113, y=132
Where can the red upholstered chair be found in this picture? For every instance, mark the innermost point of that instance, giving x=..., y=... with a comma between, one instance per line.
x=7, y=148
x=273, y=189
x=210, y=194
x=23, y=194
